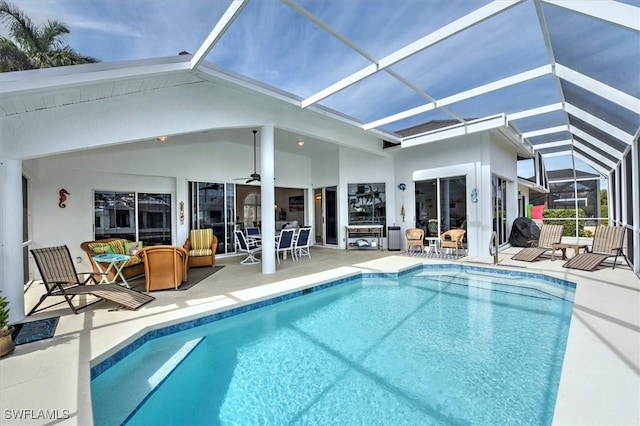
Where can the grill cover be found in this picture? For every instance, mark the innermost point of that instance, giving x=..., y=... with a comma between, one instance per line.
x=523, y=231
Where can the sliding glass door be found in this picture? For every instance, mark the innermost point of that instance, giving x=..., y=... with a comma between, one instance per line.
x=499, y=207
x=441, y=204
x=212, y=206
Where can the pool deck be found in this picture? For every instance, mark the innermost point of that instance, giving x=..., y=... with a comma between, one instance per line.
x=600, y=382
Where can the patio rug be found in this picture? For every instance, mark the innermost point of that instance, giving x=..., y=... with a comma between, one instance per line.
x=33, y=331
x=195, y=276
x=430, y=255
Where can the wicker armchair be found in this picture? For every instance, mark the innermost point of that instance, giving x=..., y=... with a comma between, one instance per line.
x=415, y=237
x=453, y=239
x=201, y=245
x=164, y=267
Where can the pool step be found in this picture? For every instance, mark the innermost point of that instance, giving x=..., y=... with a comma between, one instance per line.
x=165, y=370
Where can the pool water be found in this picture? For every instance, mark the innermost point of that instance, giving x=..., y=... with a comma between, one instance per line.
x=432, y=347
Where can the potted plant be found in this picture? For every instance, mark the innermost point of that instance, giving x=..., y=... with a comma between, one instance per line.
x=6, y=341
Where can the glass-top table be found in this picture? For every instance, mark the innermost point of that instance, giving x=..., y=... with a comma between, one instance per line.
x=115, y=262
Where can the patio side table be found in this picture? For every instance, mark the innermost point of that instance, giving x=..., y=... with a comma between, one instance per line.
x=115, y=262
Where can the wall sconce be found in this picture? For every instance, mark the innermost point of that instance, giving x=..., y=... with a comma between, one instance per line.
x=300, y=142
x=162, y=138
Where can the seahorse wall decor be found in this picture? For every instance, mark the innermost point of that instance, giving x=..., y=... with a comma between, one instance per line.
x=63, y=197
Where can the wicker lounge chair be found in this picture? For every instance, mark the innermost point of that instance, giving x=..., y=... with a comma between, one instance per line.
x=549, y=235
x=607, y=242
x=60, y=278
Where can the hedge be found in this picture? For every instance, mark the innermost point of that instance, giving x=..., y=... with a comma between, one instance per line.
x=569, y=225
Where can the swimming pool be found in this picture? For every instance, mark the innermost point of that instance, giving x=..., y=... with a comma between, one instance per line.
x=452, y=345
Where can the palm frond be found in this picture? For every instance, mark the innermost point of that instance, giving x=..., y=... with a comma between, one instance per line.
x=12, y=58
x=32, y=47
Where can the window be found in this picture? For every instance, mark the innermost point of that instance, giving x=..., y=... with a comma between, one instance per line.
x=154, y=218
x=367, y=204
x=115, y=216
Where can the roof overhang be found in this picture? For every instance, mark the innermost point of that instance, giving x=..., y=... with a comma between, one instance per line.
x=532, y=186
x=496, y=123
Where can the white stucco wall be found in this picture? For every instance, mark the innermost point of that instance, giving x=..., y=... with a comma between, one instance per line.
x=358, y=167
x=154, y=168
x=475, y=156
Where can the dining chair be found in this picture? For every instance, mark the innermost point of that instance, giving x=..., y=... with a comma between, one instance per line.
x=285, y=243
x=303, y=242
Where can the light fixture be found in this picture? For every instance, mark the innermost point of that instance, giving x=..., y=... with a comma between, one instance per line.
x=300, y=142
x=162, y=138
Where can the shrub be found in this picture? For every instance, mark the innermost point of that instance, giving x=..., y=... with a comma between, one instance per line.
x=4, y=312
x=569, y=230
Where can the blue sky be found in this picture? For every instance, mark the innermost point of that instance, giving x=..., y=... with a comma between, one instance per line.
x=272, y=43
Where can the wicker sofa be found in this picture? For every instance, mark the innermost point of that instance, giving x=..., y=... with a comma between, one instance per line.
x=134, y=266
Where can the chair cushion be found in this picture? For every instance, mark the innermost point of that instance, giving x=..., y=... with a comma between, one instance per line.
x=201, y=239
x=133, y=260
x=201, y=252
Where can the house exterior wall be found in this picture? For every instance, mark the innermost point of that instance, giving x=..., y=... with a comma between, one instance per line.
x=155, y=169
x=109, y=144
x=358, y=167
x=475, y=156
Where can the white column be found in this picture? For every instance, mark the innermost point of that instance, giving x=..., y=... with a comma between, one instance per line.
x=268, y=199
x=11, y=278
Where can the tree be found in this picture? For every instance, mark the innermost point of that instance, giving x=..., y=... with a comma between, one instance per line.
x=604, y=207
x=32, y=47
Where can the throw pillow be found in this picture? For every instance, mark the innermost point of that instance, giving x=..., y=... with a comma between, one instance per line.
x=132, y=248
x=117, y=246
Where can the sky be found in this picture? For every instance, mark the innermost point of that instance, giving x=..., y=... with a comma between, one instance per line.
x=272, y=43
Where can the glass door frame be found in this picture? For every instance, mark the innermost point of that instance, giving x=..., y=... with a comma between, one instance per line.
x=326, y=215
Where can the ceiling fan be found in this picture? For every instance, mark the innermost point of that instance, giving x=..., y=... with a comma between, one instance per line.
x=253, y=177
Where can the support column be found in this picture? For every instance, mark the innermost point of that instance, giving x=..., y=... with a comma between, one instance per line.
x=11, y=277
x=268, y=199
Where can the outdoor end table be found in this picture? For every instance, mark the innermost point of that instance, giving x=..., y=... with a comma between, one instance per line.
x=432, y=244
x=563, y=248
x=116, y=262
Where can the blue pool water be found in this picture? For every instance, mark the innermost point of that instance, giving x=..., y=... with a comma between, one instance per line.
x=436, y=346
